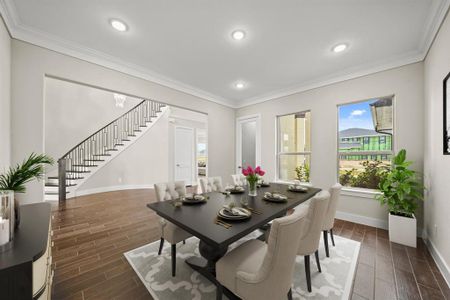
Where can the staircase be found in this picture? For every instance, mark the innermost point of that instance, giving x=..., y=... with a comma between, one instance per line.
x=86, y=158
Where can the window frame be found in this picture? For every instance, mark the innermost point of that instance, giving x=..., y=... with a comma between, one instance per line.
x=279, y=152
x=381, y=152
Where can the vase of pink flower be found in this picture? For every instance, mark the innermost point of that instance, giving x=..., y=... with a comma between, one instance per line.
x=252, y=176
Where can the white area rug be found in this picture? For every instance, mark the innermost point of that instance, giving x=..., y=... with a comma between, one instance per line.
x=335, y=281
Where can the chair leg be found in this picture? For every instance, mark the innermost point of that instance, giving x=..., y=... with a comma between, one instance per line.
x=318, y=261
x=290, y=294
x=219, y=291
x=325, y=240
x=308, y=273
x=184, y=242
x=174, y=259
x=332, y=236
x=161, y=244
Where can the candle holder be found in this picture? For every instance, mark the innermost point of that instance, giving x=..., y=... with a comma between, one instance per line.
x=7, y=219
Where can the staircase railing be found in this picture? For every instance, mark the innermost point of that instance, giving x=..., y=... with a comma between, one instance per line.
x=98, y=145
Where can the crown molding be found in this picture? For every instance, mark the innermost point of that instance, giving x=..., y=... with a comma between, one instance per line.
x=27, y=34
x=348, y=74
x=19, y=31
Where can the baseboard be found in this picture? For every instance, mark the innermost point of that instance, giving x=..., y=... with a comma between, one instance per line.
x=439, y=260
x=109, y=189
x=378, y=223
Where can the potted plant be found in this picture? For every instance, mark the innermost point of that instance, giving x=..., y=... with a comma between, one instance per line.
x=16, y=177
x=401, y=191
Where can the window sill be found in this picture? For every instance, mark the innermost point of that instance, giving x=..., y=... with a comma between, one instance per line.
x=292, y=182
x=362, y=193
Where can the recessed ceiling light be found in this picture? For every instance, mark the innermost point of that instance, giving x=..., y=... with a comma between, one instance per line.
x=339, y=48
x=238, y=35
x=239, y=85
x=118, y=25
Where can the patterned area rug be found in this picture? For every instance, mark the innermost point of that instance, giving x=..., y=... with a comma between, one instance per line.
x=335, y=281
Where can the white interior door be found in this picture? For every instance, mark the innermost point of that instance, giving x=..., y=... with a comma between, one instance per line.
x=184, y=154
x=248, y=143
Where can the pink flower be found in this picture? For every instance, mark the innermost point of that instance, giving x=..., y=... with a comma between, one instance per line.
x=261, y=173
x=244, y=172
x=257, y=169
x=250, y=170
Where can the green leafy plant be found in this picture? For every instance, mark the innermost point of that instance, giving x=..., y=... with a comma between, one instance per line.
x=31, y=168
x=400, y=187
x=368, y=178
x=302, y=173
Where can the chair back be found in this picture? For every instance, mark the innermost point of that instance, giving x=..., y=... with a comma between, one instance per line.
x=317, y=208
x=238, y=179
x=211, y=184
x=335, y=192
x=278, y=265
x=169, y=190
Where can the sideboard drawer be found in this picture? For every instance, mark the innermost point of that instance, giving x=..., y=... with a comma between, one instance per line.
x=40, y=270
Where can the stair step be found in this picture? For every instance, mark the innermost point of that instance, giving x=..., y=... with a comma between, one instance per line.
x=137, y=130
x=133, y=135
x=112, y=149
x=126, y=140
x=101, y=155
x=86, y=166
x=94, y=160
x=57, y=185
x=77, y=171
x=115, y=145
x=54, y=193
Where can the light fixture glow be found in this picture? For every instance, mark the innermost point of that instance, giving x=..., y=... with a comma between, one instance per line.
x=118, y=25
x=238, y=35
x=120, y=100
x=339, y=48
x=239, y=85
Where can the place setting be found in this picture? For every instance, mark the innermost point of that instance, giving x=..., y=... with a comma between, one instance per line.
x=275, y=197
x=234, y=189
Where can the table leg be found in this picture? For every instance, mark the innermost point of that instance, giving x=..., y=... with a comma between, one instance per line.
x=206, y=265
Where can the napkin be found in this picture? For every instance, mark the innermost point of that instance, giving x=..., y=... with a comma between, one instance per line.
x=275, y=196
x=236, y=211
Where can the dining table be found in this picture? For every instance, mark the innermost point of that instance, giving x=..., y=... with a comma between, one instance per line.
x=201, y=220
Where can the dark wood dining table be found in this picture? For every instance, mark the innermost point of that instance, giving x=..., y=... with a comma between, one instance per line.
x=199, y=220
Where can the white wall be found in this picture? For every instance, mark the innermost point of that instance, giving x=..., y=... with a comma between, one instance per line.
x=73, y=112
x=437, y=165
x=5, y=96
x=407, y=85
x=30, y=64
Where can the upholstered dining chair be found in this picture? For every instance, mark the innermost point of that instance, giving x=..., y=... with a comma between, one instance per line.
x=256, y=270
x=310, y=239
x=239, y=179
x=211, y=184
x=328, y=223
x=170, y=232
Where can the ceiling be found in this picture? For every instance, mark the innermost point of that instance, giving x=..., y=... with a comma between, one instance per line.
x=187, y=44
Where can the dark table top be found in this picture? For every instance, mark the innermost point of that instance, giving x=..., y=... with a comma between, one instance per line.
x=30, y=239
x=199, y=219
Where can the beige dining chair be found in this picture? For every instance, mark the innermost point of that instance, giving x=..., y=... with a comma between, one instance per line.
x=310, y=239
x=169, y=231
x=328, y=224
x=211, y=184
x=239, y=179
x=256, y=270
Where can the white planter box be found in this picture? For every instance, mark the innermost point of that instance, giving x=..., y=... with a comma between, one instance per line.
x=403, y=230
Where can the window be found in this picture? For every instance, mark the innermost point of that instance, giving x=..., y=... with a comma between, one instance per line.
x=294, y=146
x=369, y=124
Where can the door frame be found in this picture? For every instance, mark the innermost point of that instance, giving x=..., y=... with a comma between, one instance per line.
x=193, y=156
x=239, y=121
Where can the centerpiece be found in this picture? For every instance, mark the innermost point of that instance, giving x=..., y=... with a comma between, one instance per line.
x=252, y=176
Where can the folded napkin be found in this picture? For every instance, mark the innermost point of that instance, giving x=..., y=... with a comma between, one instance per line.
x=275, y=196
x=236, y=211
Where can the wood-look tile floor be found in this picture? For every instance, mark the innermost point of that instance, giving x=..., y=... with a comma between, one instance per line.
x=91, y=233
